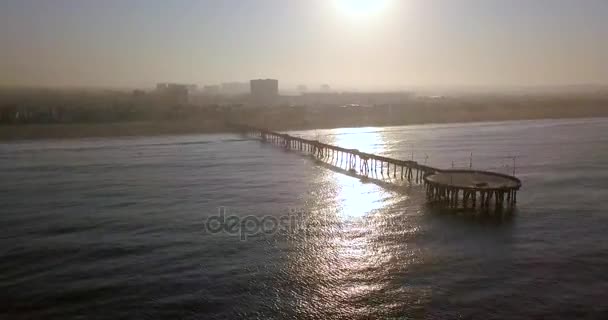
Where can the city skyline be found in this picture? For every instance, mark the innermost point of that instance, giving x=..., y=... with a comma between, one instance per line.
x=395, y=45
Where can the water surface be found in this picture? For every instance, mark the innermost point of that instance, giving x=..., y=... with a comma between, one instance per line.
x=115, y=228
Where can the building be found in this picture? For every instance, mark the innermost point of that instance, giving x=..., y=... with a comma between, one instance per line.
x=211, y=89
x=354, y=98
x=264, y=90
x=235, y=88
x=173, y=93
x=192, y=88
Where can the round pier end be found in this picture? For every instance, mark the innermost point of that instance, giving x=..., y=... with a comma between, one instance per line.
x=463, y=188
x=470, y=179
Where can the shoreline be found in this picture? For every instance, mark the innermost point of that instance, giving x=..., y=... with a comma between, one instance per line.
x=30, y=132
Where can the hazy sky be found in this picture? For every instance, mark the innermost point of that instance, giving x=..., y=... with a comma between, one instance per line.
x=398, y=43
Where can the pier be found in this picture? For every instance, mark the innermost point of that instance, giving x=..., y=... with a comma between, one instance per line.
x=465, y=189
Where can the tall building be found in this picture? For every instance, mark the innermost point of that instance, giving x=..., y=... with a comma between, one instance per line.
x=264, y=90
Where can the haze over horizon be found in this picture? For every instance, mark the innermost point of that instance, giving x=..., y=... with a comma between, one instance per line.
x=364, y=44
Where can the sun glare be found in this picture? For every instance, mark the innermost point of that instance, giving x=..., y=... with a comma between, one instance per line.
x=359, y=8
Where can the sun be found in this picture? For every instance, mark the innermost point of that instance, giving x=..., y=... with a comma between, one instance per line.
x=359, y=8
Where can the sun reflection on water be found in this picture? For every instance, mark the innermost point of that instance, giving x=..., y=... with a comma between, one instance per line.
x=355, y=198
x=356, y=244
x=370, y=140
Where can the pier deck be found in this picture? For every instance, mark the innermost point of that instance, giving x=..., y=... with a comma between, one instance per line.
x=452, y=188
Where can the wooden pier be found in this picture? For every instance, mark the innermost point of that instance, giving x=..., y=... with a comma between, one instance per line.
x=468, y=189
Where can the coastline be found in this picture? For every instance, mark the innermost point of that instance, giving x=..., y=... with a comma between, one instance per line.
x=9, y=133
x=101, y=130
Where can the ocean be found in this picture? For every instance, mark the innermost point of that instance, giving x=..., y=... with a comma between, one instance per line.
x=225, y=227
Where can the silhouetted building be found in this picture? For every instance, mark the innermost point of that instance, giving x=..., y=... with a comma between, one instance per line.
x=211, y=89
x=325, y=88
x=354, y=98
x=302, y=88
x=264, y=90
x=173, y=93
x=138, y=93
x=234, y=88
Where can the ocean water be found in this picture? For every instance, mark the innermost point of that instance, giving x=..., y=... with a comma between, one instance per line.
x=225, y=227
